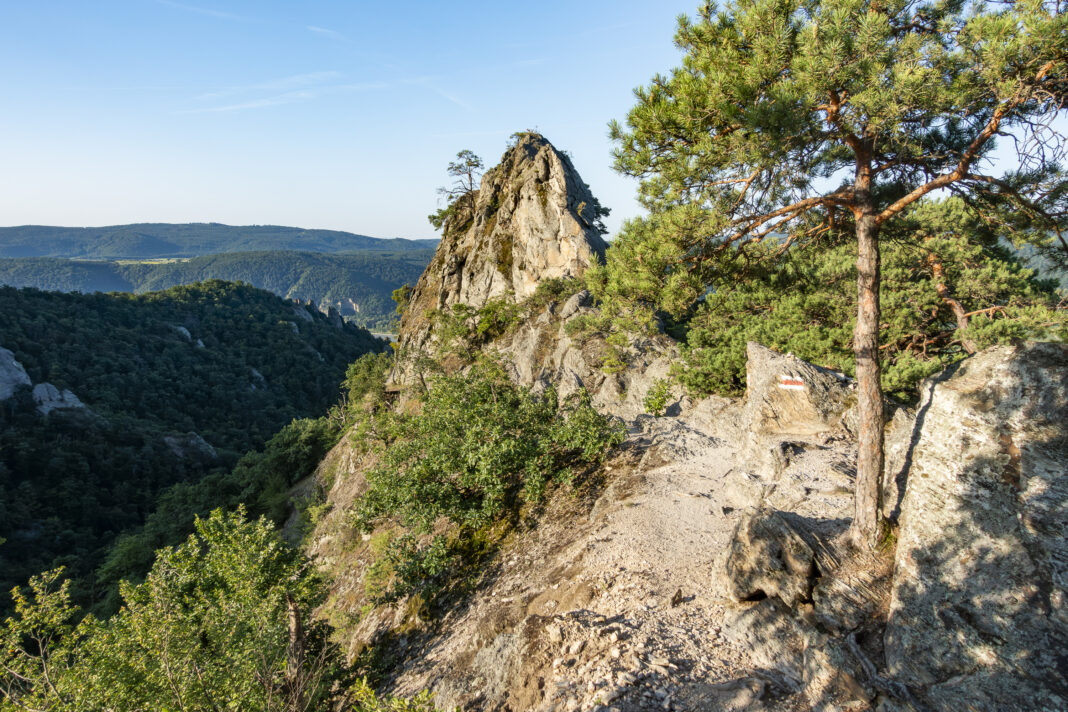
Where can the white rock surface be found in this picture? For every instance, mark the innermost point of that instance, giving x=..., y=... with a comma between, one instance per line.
x=12, y=374
x=979, y=614
x=49, y=398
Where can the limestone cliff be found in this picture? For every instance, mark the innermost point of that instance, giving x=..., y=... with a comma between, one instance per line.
x=533, y=218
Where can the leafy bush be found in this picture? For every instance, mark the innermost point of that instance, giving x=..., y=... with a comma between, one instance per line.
x=657, y=397
x=365, y=379
x=261, y=481
x=479, y=448
x=208, y=629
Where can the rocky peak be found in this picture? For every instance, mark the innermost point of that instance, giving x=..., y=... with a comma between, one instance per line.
x=532, y=219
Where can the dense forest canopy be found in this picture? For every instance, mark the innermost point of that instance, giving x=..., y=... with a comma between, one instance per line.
x=358, y=284
x=160, y=240
x=178, y=384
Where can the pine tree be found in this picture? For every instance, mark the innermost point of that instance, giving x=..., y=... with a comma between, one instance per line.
x=794, y=119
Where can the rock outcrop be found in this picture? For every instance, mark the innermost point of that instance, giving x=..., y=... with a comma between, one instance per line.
x=49, y=398
x=788, y=396
x=979, y=614
x=532, y=219
x=190, y=446
x=702, y=576
x=12, y=374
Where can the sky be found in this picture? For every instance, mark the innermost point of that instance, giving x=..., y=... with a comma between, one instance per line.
x=316, y=114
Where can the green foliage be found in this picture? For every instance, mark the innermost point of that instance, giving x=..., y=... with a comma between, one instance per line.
x=785, y=122
x=459, y=196
x=208, y=629
x=365, y=380
x=365, y=700
x=804, y=303
x=260, y=482
x=401, y=296
x=656, y=399
x=72, y=481
x=478, y=448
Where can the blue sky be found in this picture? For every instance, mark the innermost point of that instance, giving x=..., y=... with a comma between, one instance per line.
x=338, y=115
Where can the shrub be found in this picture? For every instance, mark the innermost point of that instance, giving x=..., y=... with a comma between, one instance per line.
x=479, y=448
x=657, y=397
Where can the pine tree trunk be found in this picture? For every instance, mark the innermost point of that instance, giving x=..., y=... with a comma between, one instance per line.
x=865, y=530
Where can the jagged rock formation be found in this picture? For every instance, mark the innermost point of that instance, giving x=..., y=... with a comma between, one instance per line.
x=190, y=446
x=532, y=219
x=12, y=374
x=979, y=614
x=704, y=576
x=541, y=353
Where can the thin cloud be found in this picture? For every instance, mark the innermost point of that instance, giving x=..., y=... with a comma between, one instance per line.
x=203, y=10
x=288, y=98
x=558, y=39
x=294, y=81
x=450, y=97
x=332, y=34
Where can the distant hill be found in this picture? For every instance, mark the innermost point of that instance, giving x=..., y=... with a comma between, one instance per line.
x=176, y=386
x=161, y=240
x=359, y=284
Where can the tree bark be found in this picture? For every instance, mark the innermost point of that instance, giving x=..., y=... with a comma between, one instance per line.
x=865, y=529
x=938, y=272
x=294, y=681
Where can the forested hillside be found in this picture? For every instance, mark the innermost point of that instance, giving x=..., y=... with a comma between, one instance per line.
x=176, y=385
x=359, y=284
x=158, y=240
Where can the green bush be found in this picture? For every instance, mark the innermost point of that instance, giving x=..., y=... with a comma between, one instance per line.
x=657, y=397
x=478, y=449
x=208, y=629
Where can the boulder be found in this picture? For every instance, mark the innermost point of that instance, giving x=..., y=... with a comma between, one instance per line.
x=788, y=396
x=769, y=558
x=979, y=611
x=12, y=374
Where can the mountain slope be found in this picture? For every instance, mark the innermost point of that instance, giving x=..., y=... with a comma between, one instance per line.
x=163, y=388
x=160, y=240
x=358, y=284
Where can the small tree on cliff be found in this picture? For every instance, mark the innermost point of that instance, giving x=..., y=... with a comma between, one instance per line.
x=466, y=172
x=790, y=119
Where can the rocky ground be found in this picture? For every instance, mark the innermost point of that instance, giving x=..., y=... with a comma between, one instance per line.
x=620, y=601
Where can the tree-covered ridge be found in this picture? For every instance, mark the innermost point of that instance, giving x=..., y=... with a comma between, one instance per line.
x=358, y=284
x=224, y=362
x=158, y=240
